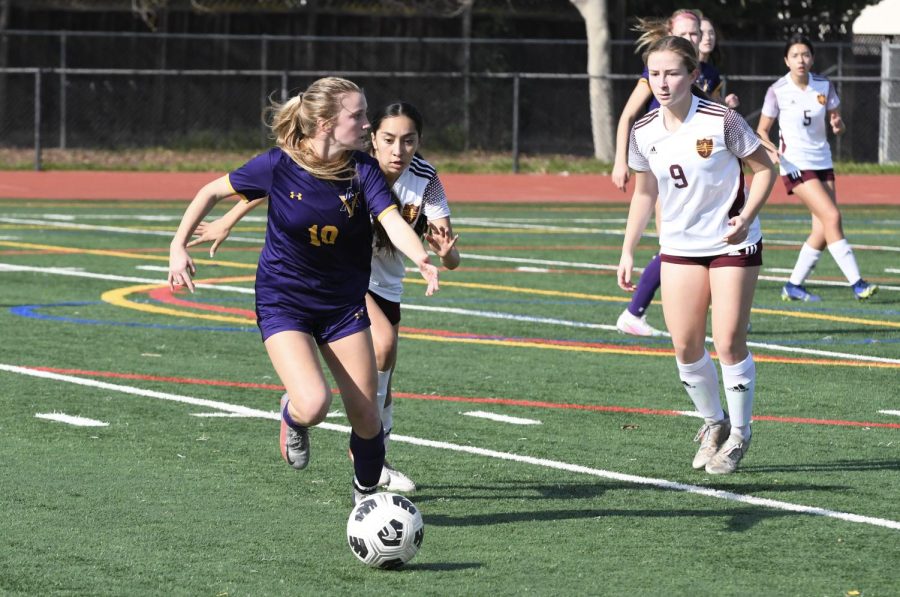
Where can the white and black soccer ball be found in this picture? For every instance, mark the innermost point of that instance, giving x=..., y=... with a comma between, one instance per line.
x=385, y=530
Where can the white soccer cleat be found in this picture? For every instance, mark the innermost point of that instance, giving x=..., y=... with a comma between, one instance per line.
x=711, y=437
x=393, y=480
x=635, y=326
x=729, y=456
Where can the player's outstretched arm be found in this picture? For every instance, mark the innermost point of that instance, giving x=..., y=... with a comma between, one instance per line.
x=404, y=238
x=639, y=97
x=643, y=202
x=181, y=266
x=442, y=241
x=218, y=230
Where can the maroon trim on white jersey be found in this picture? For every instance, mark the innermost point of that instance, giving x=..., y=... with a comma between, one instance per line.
x=646, y=119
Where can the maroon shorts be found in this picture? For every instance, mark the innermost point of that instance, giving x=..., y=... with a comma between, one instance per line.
x=747, y=257
x=792, y=180
x=390, y=309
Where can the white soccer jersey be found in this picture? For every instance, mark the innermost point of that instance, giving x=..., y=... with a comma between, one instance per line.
x=420, y=192
x=701, y=184
x=801, y=115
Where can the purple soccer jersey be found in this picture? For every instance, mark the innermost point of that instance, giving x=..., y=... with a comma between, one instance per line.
x=318, y=251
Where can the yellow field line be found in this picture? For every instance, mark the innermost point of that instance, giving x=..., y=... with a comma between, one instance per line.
x=119, y=298
x=636, y=352
x=470, y=285
x=606, y=298
x=122, y=254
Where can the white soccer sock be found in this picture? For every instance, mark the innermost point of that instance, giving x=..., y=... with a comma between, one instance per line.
x=806, y=263
x=843, y=254
x=387, y=421
x=384, y=380
x=740, y=383
x=701, y=382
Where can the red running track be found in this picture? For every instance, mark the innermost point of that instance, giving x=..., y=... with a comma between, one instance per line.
x=855, y=189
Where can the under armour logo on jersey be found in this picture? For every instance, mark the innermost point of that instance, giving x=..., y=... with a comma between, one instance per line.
x=298, y=196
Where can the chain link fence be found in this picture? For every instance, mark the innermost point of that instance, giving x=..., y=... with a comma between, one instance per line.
x=117, y=91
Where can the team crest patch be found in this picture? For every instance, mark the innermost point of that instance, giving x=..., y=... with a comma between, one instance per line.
x=410, y=213
x=821, y=99
x=349, y=201
x=704, y=147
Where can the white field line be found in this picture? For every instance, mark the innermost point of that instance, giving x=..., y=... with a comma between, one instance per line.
x=480, y=414
x=218, y=415
x=62, y=221
x=71, y=420
x=891, y=270
x=542, y=462
x=886, y=412
x=470, y=312
x=59, y=271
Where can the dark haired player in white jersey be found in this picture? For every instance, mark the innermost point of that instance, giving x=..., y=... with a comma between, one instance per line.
x=314, y=269
x=689, y=153
x=396, y=133
x=802, y=101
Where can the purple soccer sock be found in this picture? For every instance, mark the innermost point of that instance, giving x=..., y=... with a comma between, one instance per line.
x=368, y=458
x=646, y=289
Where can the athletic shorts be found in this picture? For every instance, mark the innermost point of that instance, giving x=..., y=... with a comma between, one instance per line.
x=390, y=309
x=792, y=180
x=747, y=257
x=325, y=327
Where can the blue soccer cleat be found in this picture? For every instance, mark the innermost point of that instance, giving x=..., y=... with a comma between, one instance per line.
x=863, y=290
x=796, y=292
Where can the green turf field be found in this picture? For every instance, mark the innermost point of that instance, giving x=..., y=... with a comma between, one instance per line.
x=585, y=488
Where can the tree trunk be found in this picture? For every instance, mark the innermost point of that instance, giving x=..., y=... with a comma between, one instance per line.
x=600, y=88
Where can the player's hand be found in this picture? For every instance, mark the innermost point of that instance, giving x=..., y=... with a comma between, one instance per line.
x=430, y=274
x=181, y=268
x=732, y=101
x=624, y=271
x=738, y=229
x=837, y=123
x=440, y=241
x=620, y=176
x=215, y=231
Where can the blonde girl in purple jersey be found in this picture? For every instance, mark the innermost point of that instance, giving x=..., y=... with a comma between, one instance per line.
x=396, y=134
x=689, y=153
x=314, y=268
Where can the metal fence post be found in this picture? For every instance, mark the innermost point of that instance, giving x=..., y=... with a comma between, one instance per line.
x=37, y=119
x=63, y=81
x=515, y=124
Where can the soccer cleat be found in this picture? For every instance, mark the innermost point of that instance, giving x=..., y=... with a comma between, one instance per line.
x=711, y=437
x=294, y=442
x=727, y=458
x=796, y=292
x=863, y=290
x=360, y=494
x=394, y=480
x=635, y=326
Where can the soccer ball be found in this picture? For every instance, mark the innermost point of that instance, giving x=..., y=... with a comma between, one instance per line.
x=385, y=530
